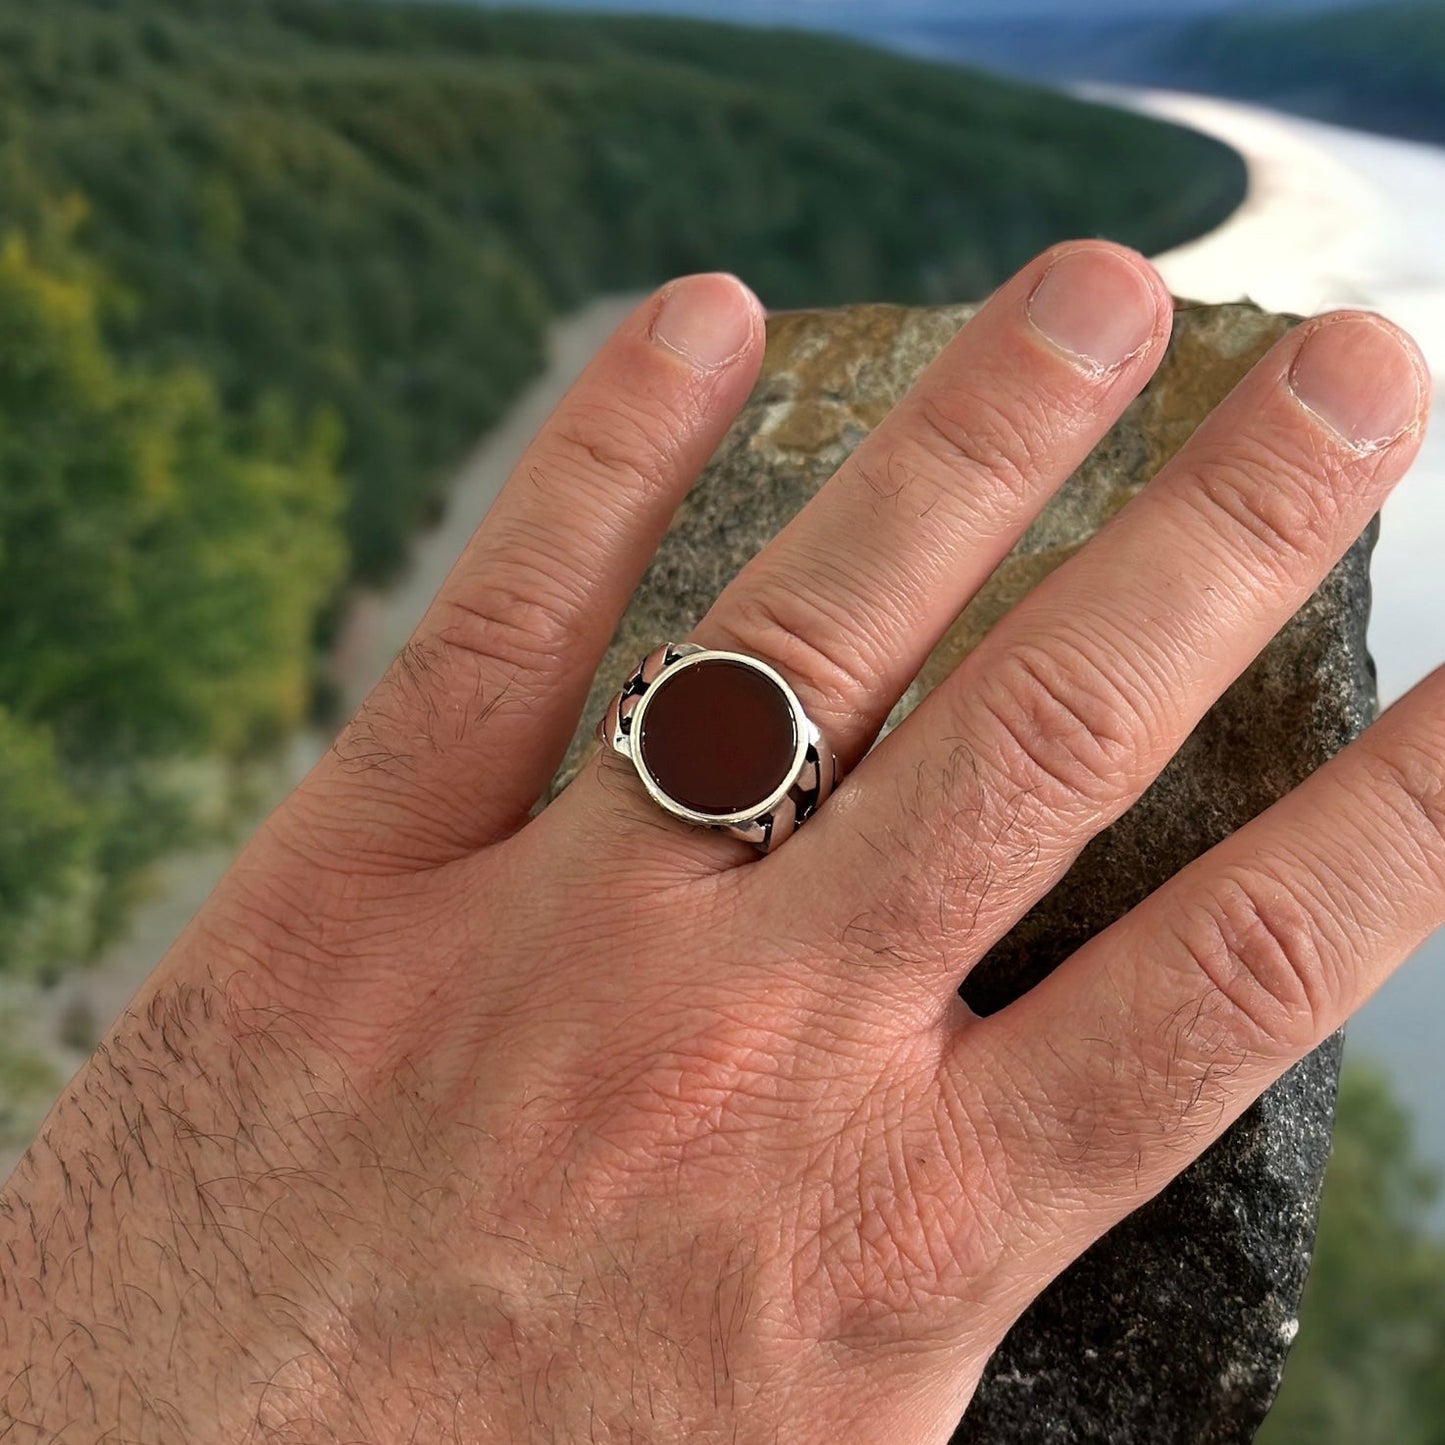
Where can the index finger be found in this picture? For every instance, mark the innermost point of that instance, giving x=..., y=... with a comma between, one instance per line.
x=455, y=744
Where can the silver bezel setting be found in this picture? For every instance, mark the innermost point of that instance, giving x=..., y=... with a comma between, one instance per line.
x=765, y=824
x=805, y=734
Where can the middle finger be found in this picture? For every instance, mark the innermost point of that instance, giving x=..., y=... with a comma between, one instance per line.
x=852, y=595
x=1075, y=700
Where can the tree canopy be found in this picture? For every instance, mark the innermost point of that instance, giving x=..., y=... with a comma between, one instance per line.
x=161, y=567
x=267, y=269
x=1368, y=1367
x=375, y=208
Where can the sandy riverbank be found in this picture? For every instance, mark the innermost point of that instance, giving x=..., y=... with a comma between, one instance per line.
x=1338, y=218
x=1331, y=218
x=1334, y=218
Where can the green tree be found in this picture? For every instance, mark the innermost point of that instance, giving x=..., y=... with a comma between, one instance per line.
x=275, y=243
x=42, y=837
x=28, y=1084
x=375, y=208
x=161, y=568
x=1369, y=1365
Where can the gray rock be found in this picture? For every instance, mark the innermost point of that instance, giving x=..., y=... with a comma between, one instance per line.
x=1175, y=1326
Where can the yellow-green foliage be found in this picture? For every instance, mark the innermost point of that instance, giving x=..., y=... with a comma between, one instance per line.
x=161, y=568
x=42, y=845
x=376, y=207
x=268, y=243
x=27, y=1082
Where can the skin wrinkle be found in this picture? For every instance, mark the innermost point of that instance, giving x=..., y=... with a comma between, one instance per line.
x=976, y=435
x=1272, y=500
x=437, y=1127
x=986, y=861
x=810, y=645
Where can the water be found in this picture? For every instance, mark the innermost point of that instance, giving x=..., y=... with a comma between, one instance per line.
x=1333, y=217
x=1336, y=217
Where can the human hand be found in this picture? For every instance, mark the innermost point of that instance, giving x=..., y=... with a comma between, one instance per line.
x=443, y=1123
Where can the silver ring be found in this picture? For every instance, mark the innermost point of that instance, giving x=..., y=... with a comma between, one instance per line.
x=720, y=740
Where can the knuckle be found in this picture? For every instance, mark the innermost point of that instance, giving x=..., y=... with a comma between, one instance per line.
x=519, y=619
x=1063, y=730
x=296, y=942
x=827, y=654
x=619, y=439
x=1095, y=1117
x=484, y=653
x=1261, y=951
x=1285, y=506
x=976, y=435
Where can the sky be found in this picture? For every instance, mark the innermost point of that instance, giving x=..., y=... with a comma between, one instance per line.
x=880, y=13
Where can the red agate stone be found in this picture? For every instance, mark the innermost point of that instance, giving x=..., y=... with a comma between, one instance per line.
x=718, y=736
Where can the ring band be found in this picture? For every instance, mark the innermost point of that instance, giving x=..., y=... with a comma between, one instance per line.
x=720, y=740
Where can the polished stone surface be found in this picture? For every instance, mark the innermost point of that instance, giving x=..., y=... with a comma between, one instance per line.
x=1174, y=1328
x=717, y=736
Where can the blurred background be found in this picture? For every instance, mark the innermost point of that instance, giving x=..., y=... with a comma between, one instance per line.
x=285, y=285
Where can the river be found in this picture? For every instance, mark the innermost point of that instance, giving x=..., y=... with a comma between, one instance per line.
x=1335, y=217
x=1332, y=217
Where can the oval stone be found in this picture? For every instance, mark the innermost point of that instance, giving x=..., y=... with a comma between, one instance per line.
x=718, y=736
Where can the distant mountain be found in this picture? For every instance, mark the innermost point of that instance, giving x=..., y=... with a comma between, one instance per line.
x=873, y=14
x=1377, y=66
x=1381, y=67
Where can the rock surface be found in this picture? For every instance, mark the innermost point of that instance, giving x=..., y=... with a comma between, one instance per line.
x=1175, y=1326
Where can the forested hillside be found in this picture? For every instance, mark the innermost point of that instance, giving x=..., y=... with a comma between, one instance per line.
x=267, y=267
x=374, y=208
x=1367, y=1367
x=1380, y=66
x=161, y=570
x=1377, y=66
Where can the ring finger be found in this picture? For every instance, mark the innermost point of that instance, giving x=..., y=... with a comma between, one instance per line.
x=851, y=597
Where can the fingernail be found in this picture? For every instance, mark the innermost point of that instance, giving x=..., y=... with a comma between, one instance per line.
x=708, y=320
x=1357, y=377
x=1096, y=306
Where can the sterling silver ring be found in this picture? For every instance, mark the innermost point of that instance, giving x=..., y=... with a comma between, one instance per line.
x=720, y=740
